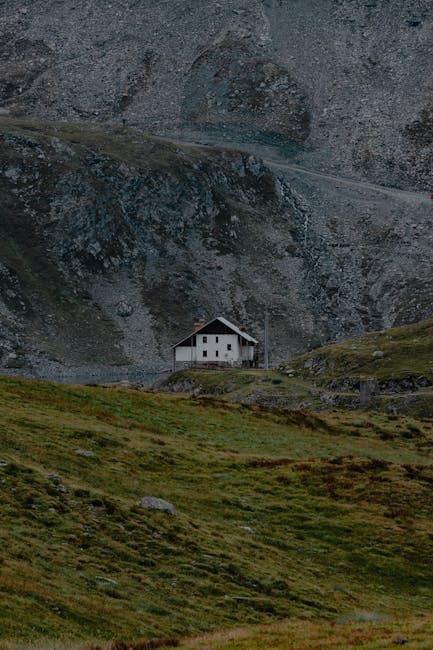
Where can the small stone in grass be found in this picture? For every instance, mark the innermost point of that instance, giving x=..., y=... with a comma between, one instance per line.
x=84, y=452
x=153, y=503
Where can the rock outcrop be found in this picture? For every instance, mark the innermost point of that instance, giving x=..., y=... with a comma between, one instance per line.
x=347, y=82
x=112, y=243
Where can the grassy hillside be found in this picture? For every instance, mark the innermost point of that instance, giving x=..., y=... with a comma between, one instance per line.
x=302, y=635
x=400, y=353
x=289, y=635
x=244, y=385
x=279, y=514
x=398, y=360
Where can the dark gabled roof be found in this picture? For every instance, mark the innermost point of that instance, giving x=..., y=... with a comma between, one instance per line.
x=224, y=322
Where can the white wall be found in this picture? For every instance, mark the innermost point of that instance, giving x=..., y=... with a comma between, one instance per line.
x=218, y=343
x=183, y=354
x=213, y=344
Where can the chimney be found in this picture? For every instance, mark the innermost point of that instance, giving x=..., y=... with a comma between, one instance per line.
x=199, y=324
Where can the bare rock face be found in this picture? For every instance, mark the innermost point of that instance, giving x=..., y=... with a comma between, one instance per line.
x=229, y=85
x=31, y=58
x=349, y=81
x=111, y=243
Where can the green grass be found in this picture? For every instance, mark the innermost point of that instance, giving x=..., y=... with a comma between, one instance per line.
x=308, y=635
x=253, y=386
x=281, y=514
x=408, y=354
x=332, y=374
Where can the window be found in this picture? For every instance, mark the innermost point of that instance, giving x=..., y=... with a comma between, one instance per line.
x=204, y=339
x=217, y=354
x=216, y=339
x=204, y=354
x=229, y=346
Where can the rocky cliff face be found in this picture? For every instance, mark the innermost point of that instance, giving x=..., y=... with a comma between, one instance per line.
x=112, y=242
x=348, y=83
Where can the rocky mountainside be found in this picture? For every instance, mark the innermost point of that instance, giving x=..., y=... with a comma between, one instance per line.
x=346, y=85
x=112, y=242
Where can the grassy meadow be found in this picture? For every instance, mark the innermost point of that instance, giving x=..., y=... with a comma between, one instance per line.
x=407, y=354
x=280, y=515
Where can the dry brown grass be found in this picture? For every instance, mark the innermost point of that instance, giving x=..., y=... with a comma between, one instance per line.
x=415, y=633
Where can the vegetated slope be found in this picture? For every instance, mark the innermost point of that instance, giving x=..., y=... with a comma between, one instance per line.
x=279, y=514
x=345, y=84
x=288, y=635
x=390, y=370
x=303, y=635
x=397, y=356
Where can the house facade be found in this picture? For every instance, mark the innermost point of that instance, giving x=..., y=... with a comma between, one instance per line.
x=216, y=343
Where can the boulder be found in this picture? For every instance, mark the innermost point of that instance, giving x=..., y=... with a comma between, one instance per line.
x=153, y=503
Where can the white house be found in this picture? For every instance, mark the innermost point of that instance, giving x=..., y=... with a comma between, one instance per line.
x=217, y=342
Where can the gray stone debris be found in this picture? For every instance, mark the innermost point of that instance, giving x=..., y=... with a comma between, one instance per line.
x=84, y=452
x=153, y=503
x=378, y=354
x=108, y=581
x=57, y=481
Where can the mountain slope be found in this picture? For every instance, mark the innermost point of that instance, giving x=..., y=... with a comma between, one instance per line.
x=319, y=78
x=396, y=355
x=112, y=243
x=279, y=514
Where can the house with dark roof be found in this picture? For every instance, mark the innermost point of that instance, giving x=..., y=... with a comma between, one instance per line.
x=215, y=343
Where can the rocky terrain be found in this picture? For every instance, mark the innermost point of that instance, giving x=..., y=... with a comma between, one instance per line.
x=348, y=83
x=112, y=243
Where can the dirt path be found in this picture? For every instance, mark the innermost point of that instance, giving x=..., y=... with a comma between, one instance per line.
x=414, y=198
x=402, y=195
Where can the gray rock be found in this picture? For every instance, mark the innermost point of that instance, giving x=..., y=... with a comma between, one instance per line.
x=56, y=480
x=84, y=452
x=378, y=354
x=248, y=529
x=124, y=309
x=154, y=503
x=108, y=581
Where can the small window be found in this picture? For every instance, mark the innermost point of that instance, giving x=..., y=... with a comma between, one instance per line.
x=229, y=346
x=204, y=354
x=217, y=354
x=204, y=339
x=216, y=339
